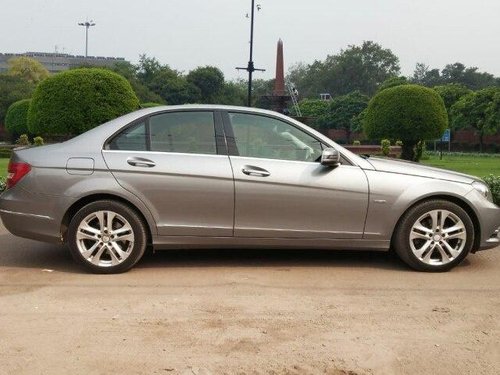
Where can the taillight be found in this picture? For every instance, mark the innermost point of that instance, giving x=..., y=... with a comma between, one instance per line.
x=16, y=171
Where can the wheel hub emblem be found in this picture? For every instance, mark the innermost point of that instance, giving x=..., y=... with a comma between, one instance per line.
x=105, y=239
x=437, y=238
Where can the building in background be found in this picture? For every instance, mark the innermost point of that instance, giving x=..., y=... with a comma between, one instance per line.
x=57, y=62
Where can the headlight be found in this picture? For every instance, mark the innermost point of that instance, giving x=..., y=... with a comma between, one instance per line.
x=483, y=189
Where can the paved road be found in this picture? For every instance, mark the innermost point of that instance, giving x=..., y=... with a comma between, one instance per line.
x=272, y=312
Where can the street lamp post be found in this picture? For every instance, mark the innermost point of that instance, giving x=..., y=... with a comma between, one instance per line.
x=250, y=68
x=87, y=25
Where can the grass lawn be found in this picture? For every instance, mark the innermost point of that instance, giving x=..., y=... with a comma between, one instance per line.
x=474, y=165
x=3, y=167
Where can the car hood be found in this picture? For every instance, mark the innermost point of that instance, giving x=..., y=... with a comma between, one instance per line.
x=416, y=169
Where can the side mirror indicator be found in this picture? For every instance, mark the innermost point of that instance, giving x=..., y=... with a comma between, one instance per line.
x=330, y=157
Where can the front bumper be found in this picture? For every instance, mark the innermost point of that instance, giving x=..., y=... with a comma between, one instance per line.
x=488, y=215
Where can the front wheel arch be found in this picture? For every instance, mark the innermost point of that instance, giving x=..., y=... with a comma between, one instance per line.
x=453, y=199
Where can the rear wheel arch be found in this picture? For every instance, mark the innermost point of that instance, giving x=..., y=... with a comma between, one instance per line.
x=75, y=207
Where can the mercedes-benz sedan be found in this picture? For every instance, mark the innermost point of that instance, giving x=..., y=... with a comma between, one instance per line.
x=216, y=176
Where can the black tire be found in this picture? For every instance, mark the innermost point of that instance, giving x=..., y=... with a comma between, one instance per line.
x=401, y=239
x=135, y=251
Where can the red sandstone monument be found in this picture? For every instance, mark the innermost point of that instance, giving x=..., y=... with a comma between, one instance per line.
x=279, y=97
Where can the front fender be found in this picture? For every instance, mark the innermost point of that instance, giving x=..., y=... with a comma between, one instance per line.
x=392, y=194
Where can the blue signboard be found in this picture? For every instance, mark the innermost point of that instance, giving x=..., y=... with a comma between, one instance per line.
x=446, y=136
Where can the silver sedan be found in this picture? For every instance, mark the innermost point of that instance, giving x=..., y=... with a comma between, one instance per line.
x=217, y=176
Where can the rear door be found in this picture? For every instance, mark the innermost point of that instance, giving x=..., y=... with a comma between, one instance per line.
x=177, y=164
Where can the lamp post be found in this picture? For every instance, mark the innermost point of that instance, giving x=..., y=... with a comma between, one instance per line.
x=87, y=25
x=250, y=68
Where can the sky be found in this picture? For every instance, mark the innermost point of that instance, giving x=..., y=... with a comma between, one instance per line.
x=189, y=33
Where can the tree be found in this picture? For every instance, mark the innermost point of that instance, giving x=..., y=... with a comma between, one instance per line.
x=469, y=77
x=16, y=119
x=479, y=110
x=313, y=107
x=174, y=89
x=129, y=71
x=29, y=69
x=362, y=68
x=343, y=112
x=75, y=101
x=425, y=76
x=453, y=73
x=451, y=93
x=12, y=89
x=410, y=113
x=233, y=93
x=209, y=80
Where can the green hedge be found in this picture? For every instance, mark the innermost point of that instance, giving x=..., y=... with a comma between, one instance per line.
x=150, y=104
x=494, y=184
x=74, y=101
x=16, y=119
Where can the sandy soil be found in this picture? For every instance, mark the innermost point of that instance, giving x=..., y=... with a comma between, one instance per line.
x=246, y=312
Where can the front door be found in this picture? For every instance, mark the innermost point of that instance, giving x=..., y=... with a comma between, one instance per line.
x=174, y=164
x=282, y=190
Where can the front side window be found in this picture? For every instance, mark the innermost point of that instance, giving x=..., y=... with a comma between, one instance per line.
x=265, y=137
x=187, y=132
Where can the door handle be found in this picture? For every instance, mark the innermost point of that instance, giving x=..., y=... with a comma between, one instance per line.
x=255, y=171
x=141, y=162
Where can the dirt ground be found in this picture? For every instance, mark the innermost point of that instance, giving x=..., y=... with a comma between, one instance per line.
x=246, y=312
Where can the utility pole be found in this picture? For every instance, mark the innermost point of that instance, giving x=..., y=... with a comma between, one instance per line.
x=250, y=67
x=87, y=25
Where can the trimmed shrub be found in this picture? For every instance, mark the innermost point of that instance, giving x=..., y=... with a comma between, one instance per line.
x=23, y=140
x=494, y=184
x=16, y=119
x=150, y=104
x=385, y=147
x=356, y=143
x=38, y=141
x=74, y=101
x=410, y=113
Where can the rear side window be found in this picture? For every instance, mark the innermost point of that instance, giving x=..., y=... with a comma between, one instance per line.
x=180, y=132
x=187, y=132
x=131, y=139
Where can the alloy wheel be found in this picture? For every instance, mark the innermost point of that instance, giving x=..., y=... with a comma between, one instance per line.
x=105, y=238
x=438, y=237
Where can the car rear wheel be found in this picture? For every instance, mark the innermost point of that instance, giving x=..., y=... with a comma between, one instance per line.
x=107, y=237
x=434, y=236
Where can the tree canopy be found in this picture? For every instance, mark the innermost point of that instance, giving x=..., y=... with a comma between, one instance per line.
x=479, y=110
x=362, y=68
x=209, y=80
x=30, y=69
x=12, y=89
x=410, y=113
x=74, y=101
x=344, y=111
x=457, y=73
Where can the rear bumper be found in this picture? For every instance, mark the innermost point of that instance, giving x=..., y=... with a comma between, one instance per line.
x=34, y=216
x=35, y=227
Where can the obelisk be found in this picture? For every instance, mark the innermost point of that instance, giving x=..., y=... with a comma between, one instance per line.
x=279, y=83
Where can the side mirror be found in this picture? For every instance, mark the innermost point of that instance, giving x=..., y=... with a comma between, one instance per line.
x=330, y=157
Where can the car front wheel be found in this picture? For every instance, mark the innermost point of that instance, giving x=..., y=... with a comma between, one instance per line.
x=434, y=236
x=107, y=237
